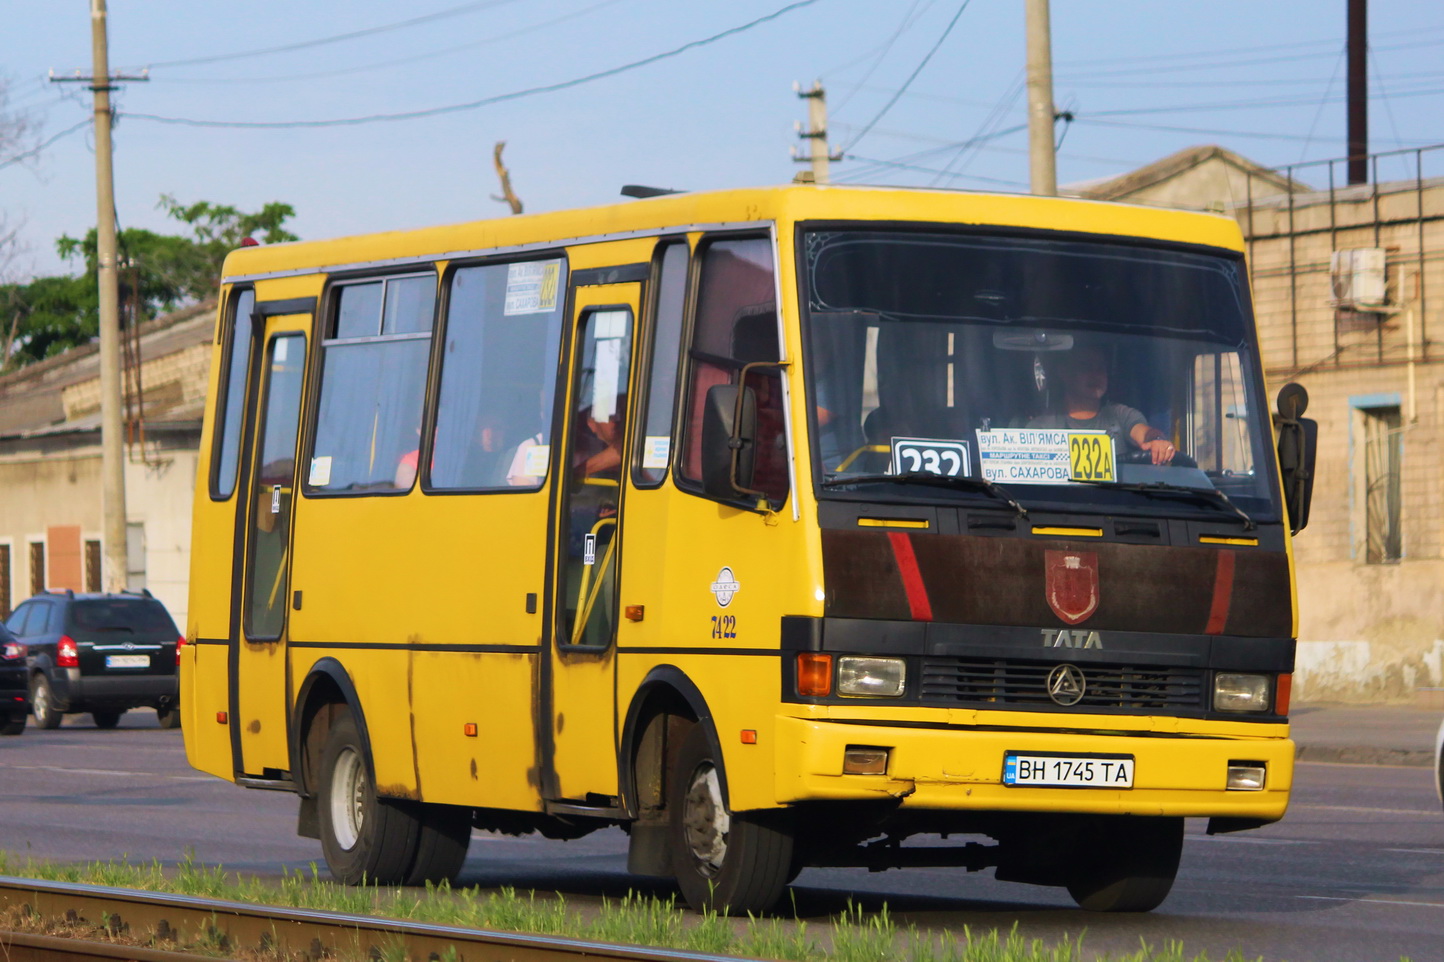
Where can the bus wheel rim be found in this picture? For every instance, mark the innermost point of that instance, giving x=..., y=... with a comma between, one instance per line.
x=706, y=821
x=348, y=798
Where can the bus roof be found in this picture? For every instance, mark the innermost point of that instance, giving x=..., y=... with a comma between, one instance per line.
x=724, y=209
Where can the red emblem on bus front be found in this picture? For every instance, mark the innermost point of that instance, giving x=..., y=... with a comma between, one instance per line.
x=1071, y=584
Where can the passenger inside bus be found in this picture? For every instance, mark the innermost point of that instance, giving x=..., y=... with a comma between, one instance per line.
x=1085, y=406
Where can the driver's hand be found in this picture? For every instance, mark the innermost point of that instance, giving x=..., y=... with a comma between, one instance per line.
x=1161, y=450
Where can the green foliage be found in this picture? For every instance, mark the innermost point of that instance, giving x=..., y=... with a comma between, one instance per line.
x=157, y=273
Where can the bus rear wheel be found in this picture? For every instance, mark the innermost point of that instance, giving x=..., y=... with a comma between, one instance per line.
x=366, y=839
x=734, y=863
x=1126, y=863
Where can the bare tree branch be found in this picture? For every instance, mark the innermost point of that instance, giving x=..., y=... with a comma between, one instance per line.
x=508, y=196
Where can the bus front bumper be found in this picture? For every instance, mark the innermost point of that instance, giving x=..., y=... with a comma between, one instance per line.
x=962, y=769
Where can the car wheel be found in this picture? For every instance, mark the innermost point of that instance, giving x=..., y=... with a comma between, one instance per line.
x=169, y=717
x=42, y=704
x=106, y=719
x=13, y=723
x=1126, y=863
x=734, y=863
x=366, y=840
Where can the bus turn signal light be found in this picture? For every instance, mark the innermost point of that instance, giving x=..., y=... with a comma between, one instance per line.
x=469, y=729
x=814, y=674
x=1283, y=688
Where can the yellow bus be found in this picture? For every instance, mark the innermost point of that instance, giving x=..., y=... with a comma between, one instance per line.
x=774, y=526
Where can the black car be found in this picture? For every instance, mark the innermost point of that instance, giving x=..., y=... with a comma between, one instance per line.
x=14, y=684
x=98, y=653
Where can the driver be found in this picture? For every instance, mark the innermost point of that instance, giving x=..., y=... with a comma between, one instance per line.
x=1084, y=373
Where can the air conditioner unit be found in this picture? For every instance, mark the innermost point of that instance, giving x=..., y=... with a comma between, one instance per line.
x=1359, y=279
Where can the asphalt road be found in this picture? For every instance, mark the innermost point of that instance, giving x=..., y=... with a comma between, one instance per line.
x=1354, y=873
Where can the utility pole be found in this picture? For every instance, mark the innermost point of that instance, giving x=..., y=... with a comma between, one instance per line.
x=1358, y=92
x=816, y=132
x=112, y=469
x=1042, y=162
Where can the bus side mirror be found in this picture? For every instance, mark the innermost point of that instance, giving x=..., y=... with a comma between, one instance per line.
x=729, y=430
x=1298, y=443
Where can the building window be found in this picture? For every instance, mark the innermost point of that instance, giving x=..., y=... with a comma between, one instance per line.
x=92, y=565
x=135, y=556
x=1379, y=451
x=37, y=567
x=5, y=599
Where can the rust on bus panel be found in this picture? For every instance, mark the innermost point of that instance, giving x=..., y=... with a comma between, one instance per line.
x=1000, y=581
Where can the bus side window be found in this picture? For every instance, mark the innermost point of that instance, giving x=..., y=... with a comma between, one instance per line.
x=373, y=381
x=232, y=401
x=498, y=377
x=736, y=325
x=655, y=445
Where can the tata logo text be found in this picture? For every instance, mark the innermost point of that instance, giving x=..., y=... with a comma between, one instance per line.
x=1071, y=638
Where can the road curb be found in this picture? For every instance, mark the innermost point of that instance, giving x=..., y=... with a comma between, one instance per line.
x=1360, y=755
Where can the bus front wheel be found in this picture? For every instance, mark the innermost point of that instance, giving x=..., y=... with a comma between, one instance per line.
x=366, y=839
x=734, y=863
x=1126, y=863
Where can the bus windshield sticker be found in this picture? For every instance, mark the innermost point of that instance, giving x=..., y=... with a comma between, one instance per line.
x=320, y=471
x=655, y=450
x=537, y=457
x=1046, y=455
x=931, y=456
x=531, y=287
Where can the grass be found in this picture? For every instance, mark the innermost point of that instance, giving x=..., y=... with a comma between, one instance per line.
x=855, y=936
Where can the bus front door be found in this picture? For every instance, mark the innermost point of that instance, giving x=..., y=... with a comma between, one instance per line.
x=585, y=608
x=258, y=695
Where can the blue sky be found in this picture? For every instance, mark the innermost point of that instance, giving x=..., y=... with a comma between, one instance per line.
x=1143, y=79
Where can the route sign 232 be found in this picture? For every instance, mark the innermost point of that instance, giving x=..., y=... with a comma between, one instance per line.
x=932, y=456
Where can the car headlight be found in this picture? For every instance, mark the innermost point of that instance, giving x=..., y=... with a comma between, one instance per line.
x=871, y=677
x=1238, y=692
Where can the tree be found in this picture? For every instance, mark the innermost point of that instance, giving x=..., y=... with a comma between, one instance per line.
x=157, y=272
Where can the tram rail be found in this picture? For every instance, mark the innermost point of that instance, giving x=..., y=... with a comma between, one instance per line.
x=158, y=927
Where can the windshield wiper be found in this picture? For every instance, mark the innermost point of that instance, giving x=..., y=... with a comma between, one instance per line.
x=1206, y=495
x=936, y=480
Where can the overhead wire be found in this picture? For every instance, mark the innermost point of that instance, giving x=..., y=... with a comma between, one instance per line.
x=1338, y=64
x=414, y=58
x=336, y=38
x=885, y=49
x=911, y=77
x=483, y=102
x=17, y=158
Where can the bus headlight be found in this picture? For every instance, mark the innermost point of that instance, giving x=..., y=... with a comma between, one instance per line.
x=1236, y=692
x=871, y=677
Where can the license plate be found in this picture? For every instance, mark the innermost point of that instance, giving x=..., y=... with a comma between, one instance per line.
x=127, y=661
x=1090, y=457
x=1068, y=771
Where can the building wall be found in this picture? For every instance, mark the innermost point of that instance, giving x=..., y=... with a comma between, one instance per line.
x=1368, y=631
x=53, y=485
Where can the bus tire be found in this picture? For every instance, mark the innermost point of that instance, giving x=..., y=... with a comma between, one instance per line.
x=1126, y=864
x=366, y=840
x=442, y=840
x=734, y=863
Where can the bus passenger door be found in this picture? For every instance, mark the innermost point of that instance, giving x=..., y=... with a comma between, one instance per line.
x=258, y=697
x=585, y=607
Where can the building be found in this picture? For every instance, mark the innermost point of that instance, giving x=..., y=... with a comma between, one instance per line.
x=50, y=485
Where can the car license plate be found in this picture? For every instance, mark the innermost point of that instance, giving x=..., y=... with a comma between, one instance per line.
x=1068, y=771
x=127, y=661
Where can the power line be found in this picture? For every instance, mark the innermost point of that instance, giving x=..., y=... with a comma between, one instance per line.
x=888, y=106
x=378, y=65
x=907, y=21
x=485, y=101
x=338, y=38
x=1086, y=119
x=948, y=174
x=38, y=148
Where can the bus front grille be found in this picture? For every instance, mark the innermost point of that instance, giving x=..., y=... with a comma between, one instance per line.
x=1001, y=681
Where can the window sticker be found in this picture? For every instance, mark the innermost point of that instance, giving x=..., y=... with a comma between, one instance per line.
x=1046, y=456
x=282, y=347
x=531, y=288
x=931, y=456
x=655, y=451
x=320, y=475
x=537, y=457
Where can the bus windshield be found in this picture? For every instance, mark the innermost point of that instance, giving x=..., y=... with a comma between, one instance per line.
x=1078, y=374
